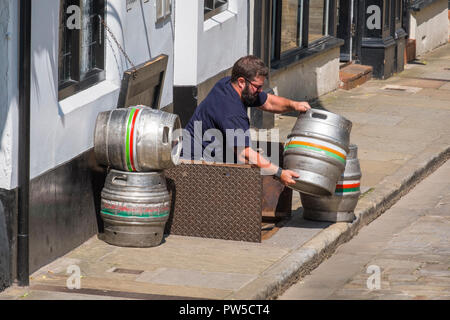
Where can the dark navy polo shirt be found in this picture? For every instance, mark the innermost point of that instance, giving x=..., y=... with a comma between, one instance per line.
x=222, y=109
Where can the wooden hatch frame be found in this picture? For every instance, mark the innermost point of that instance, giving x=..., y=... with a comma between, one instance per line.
x=143, y=84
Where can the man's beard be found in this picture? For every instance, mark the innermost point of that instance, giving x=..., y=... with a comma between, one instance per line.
x=247, y=98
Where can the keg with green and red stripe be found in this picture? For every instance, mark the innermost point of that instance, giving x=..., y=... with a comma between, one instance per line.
x=135, y=207
x=317, y=150
x=137, y=139
x=341, y=205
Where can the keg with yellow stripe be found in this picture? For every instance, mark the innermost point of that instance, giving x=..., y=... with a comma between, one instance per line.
x=137, y=139
x=340, y=206
x=317, y=150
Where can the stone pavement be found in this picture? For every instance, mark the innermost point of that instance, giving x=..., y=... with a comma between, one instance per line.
x=402, y=129
x=407, y=247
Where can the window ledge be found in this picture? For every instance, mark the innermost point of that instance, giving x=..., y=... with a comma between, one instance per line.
x=87, y=96
x=218, y=19
x=302, y=55
x=417, y=5
x=378, y=42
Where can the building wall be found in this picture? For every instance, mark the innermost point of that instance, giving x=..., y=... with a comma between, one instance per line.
x=62, y=130
x=5, y=153
x=4, y=144
x=429, y=26
x=222, y=40
x=8, y=94
x=205, y=50
x=65, y=179
x=308, y=79
x=8, y=136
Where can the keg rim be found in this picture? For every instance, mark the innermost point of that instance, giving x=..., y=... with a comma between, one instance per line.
x=327, y=113
x=179, y=145
x=136, y=173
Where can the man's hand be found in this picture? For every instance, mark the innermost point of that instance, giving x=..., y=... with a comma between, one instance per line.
x=301, y=106
x=287, y=177
x=248, y=155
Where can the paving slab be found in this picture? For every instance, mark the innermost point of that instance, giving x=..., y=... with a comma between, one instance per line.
x=422, y=83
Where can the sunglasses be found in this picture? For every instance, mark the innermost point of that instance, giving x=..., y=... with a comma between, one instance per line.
x=258, y=88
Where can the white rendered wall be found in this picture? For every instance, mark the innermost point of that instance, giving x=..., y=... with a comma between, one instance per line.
x=205, y=48
x=310, y=79
x=62, y=130
x=8, y=94
x=429, y=26
x=186, y=42
x=223, y=39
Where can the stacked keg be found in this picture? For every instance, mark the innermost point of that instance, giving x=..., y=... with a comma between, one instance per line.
x=319, y=150
x=137, y=144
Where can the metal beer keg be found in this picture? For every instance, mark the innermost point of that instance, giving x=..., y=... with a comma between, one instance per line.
x=137, y=139
x=135, y=207
x=317, y=150
x=340, y=206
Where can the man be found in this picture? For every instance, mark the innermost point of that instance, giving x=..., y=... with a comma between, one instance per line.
x=224, y=110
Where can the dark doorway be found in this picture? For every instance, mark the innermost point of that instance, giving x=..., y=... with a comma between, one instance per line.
x=347, y=29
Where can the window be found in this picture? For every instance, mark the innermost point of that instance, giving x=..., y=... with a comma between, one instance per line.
x=318, y=19
x=213, y=7
x=298, y=23
x=163, y=9
x=81, y=46
x=291, y=24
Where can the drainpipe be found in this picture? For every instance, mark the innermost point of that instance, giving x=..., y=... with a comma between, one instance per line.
x=24, y=142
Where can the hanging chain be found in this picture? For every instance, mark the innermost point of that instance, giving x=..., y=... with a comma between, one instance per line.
x=134, y=73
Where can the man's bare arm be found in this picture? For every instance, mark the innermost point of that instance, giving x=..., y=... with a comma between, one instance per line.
x=277, y=104
x=248, y=155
